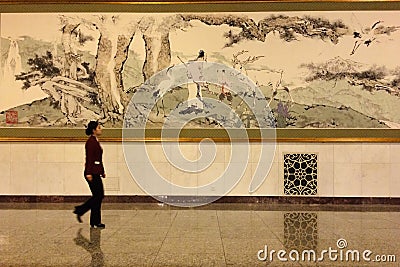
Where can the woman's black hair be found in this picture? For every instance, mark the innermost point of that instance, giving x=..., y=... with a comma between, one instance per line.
x=91, y=126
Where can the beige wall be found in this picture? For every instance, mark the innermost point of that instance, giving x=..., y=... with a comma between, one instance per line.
x=361, y=169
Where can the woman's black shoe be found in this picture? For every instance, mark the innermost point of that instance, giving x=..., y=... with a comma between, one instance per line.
x=78, y=216
x=100, y=225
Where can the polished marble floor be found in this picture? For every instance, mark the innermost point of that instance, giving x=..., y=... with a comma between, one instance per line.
x=216, y=235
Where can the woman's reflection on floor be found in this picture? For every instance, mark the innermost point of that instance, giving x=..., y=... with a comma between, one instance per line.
x=92, y=245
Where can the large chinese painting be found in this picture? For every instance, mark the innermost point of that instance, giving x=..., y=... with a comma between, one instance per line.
x=315, y=69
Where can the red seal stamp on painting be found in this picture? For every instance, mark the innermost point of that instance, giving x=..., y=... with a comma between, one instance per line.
x=11, y=117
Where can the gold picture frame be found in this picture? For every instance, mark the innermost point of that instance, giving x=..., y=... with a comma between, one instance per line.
x=53, y=134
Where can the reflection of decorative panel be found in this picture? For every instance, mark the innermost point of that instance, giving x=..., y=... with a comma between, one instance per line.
x=300, y=174
x=300, y=230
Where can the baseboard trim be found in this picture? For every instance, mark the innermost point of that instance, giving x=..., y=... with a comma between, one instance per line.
x=225, y=199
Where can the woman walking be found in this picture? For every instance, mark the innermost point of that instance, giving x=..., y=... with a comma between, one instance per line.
x=94, y=171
